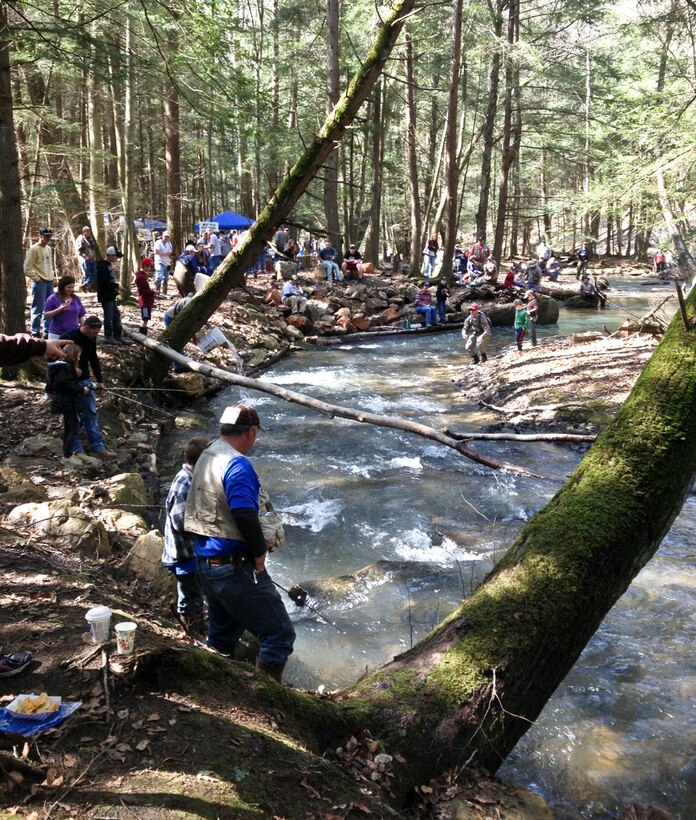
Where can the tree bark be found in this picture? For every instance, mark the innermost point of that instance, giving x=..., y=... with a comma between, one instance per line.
x=375, y=213
x=451, y=153
x=333, y=228
x=412, y=161
x=231, y=272
x=12, y=282
x=172, y=152
x=489, y=127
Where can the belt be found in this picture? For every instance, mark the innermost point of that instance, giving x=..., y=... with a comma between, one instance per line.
x=228, y=558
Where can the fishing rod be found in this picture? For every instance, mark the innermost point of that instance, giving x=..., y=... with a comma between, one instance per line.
x=146, y=406
x=299, y=596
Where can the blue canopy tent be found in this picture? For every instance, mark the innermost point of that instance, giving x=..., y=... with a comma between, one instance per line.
x=150, y=224
x=230, y=221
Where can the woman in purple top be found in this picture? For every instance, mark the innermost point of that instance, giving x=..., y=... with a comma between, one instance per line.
x=64, y=310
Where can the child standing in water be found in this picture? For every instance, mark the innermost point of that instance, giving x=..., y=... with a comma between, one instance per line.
x=521, y=323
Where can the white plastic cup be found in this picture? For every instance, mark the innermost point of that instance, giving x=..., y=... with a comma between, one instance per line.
x=99, y=620
x=125, y=637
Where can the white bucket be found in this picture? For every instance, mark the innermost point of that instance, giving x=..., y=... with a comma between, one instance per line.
x=99, y=620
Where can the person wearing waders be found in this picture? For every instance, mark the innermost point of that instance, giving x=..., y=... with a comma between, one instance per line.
x=222, y=509
x=476, y=334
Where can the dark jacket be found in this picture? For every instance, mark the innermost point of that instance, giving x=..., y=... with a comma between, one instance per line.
x=107, y=286
x=63, y=386
x=88, y=357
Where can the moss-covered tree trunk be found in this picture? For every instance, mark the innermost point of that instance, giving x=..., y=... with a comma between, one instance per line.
x=231, y=272
x=468, y=692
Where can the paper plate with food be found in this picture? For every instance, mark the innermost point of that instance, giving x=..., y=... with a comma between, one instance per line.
x=34, y=707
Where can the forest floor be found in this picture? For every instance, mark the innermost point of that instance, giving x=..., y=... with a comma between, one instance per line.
x=158, y=736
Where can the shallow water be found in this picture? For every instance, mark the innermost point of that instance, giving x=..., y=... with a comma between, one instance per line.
x=622, y=725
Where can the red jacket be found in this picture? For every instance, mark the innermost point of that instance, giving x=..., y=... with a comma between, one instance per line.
x=146, y=295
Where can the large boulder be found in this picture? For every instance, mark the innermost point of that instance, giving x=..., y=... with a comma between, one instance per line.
x=581, y=303
x=10, y=477
x=302, y=323
x=127, y=490
x=42, y=445
x=23, y=494
x=192, y=383
x=145, y=560
x=123, y=522
x=63, y=520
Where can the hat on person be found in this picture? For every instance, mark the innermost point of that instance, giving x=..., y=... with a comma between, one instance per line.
x=200, y=242
x=294, y=277
x=474, y=306
x=92, y=321
x=112, y=251
x=529, y=293
x=517, y=303
x=146, y=262
x=191, y=247
x=45, y=232
x=584, y=276
x=241, y=415
x=166, y=233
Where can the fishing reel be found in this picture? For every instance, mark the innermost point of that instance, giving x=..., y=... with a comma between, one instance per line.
x=298, y=595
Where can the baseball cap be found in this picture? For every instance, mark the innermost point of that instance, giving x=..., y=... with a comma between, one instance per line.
x=112, y=251
x=166, y=233
x=241, y=415
x=146, y=262
x=92, y=321
x=474, y=306
x=45, y=232
x=191, y=247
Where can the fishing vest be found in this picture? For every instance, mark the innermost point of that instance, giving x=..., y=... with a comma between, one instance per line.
x=207, y=511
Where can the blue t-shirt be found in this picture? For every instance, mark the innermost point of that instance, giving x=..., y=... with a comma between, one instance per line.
x=242, y=487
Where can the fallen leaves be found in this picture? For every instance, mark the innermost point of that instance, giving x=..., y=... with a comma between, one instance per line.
x=368, y=761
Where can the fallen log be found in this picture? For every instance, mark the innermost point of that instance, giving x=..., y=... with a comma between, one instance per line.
x=456, y=441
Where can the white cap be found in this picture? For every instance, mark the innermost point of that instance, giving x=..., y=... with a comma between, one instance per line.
x=191, y=247
x=166, y=233
x=230, y=415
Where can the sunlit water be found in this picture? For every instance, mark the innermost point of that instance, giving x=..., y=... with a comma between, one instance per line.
x=622, y=725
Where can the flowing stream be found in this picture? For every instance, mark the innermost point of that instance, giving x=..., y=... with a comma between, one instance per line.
x=622, y=726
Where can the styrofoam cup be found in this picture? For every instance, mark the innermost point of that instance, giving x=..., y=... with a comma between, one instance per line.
x=125, y=637
x=99, y=620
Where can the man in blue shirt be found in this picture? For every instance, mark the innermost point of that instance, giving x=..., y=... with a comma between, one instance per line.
x=328, y=257
x=222, y=508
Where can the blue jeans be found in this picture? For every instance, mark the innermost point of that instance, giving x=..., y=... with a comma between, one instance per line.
x=162, y=277
x=429, y=312
x=40, y=291
x=87, y=410
x=441, y=311
x=238, y=599
x=89, y=271
x=188, y=593
x=214, y=262
x=331, y=268
x=112, y=321
x=429, y=264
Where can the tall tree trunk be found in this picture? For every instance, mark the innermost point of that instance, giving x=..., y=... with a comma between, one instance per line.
x=96, y=144
x=451, y=153
x=489, y=127
x=56, y=161
x=130, y=261
x=412, y=161
x=375, y=214
x=12, y=282
x=332, y=94
x=512, y=100
x=172, y=152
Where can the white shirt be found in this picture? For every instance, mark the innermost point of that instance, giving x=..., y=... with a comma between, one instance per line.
x=543, y=251
x=163, y=253
x=214, y=245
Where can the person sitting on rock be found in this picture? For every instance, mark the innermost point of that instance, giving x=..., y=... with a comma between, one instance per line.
x=178, y=556
x=476, y=334
x=424, y=304
x=490, y=271
x=293, y=296
x=587, y=290
x=327, y=257
x=352, y=263
x=553, y=269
